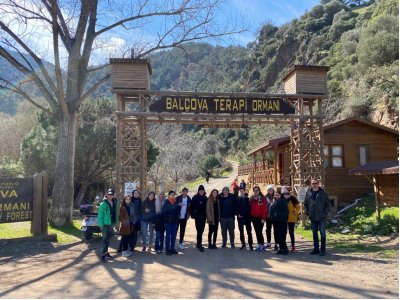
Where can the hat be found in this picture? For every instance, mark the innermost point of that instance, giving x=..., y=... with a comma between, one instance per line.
x=270, y=187
x=284, y=190
x=201, y=188
x=135, y=191
x=110, y=192
x=225, y=188
x=185, y=189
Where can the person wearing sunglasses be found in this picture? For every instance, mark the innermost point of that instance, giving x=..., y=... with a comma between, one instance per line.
x=317, y=208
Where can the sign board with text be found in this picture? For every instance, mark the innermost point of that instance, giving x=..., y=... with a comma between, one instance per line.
x=301, y=193
x=16, y=200
x=222, y=105
x=129, y=188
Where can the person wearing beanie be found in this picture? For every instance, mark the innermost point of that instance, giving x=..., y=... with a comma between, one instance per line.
x=135, y=218
x=198, y=213
x=294, y=208
x=268, y=228
x=184, y=202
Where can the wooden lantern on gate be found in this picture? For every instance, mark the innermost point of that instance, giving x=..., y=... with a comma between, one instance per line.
x=305, y=79
x=130, y=74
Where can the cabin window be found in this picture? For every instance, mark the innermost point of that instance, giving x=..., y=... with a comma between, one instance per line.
x=363, y=154
x=334, y=157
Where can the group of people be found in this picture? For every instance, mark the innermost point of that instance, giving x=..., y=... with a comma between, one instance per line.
x=278, y=209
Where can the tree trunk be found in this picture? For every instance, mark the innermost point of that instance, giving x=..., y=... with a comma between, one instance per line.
x=63, y=191
x=81, y=194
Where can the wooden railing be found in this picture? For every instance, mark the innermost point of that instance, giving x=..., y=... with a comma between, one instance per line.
x=257, y=175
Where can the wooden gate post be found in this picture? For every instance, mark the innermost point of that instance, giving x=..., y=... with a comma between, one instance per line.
x=36, y=224
x=44, y=211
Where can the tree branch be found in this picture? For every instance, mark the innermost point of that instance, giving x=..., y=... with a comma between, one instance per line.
x=94, y=87
x=30, y=52
x=19, y=91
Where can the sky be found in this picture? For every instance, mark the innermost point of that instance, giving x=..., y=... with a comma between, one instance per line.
x=258, y=12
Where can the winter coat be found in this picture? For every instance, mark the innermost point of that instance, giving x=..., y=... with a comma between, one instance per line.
x=198, y=207
x=189, y=201
x=293, y=211
x=227, y=206
x=317, y=209
x=124, y=226
x=104, y=213
x=210, y=212
x=243, y=207
x=279, y=210
x=159, y=221
x=170, y=212
x=138, y=210
x=148, y=216
x=259, y=207
x=270, y=200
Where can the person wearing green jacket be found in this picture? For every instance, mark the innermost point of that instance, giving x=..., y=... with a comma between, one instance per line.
x=107, y=217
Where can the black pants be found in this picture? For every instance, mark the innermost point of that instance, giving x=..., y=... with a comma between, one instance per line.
x=258, y=227
x=133, y=237
x=182, y=228
x=268, y=229
x=212, y=233
x=245, y=223
x=125, y=242
x=200, y=224
x=291, y=232
x=275, y=238
x=281, y=232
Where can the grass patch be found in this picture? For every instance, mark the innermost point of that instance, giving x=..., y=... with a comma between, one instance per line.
x=361, y=219
x=65, y=234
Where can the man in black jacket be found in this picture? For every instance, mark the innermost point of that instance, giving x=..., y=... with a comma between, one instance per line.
x=198, y=213
x=243, y=217
x=228, y=211
x=317, y=207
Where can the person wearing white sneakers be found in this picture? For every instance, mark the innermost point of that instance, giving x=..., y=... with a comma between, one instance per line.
x=124, y=225
x=184, y=202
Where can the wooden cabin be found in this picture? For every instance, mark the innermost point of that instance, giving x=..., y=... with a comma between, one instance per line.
x=347, y=144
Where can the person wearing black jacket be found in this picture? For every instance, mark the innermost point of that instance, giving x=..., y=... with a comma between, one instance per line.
x=243, y=218
x=198, y=213
x=184, y=202
x=279, y=216
x=228, y=211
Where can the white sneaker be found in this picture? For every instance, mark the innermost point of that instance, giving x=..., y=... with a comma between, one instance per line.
x=181, y=246
x=129, y=253
x=125, y=253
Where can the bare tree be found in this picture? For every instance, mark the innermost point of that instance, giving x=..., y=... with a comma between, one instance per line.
x=77, y=29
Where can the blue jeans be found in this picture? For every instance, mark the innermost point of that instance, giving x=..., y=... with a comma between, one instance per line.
x=319, y=226
x=159, y=240
x=147, y=226
x=171, y=229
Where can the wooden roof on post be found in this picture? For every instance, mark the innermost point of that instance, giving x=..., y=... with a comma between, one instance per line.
x=377, y=168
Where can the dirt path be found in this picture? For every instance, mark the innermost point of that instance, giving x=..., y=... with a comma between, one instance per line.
x=45, y=270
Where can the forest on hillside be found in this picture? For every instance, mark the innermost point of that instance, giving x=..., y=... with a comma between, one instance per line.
x=358, y=40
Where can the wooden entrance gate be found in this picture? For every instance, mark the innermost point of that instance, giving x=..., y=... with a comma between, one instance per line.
x=300, y=107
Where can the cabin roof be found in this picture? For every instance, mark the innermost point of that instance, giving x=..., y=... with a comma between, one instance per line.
x=361, y=121
x=270, y=144
x=283, y=140
x=305, y=67
x=374, y=168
